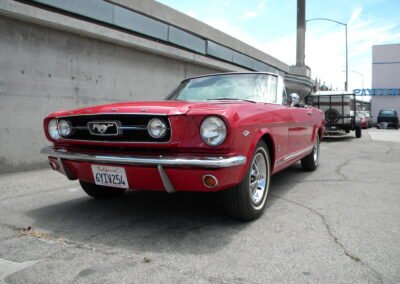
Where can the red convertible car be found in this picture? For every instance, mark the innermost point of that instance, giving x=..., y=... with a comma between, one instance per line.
x=222, y=132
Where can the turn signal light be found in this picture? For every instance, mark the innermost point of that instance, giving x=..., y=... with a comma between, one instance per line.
x=210, y=181
x=53, y=165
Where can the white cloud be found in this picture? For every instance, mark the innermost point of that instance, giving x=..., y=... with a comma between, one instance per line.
x=257, y=11
x=248, y=15
x=355, y=15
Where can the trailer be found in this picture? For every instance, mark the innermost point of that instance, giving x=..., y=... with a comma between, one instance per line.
x=340, y=111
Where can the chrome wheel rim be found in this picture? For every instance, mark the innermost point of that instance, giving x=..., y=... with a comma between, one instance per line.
x=258, y=178
x=316, y=151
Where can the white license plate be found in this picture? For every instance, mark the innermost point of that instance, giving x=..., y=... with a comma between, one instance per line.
x=110, y=176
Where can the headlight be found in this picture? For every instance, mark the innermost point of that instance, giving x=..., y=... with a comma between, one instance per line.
x=64, y=128
x=52, y=128
x=156, y=128
x=213, y=131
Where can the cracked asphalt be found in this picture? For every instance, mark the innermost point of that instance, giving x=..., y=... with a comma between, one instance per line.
x=339, y=224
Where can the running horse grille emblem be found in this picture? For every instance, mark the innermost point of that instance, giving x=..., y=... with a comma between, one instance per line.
x=106, y=128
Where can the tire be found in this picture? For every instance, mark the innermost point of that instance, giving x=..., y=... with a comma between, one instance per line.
x=100, y=192
x=332, y=116
x=311, y=161
x=358, y=132
x=247, y=200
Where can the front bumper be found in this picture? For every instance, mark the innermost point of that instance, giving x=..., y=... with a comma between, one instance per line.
x=161, y=173
x=203, y=162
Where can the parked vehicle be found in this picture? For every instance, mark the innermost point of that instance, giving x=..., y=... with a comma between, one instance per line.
x=340, y=111
x=369, y=118
x=222, y=132
x=388, y=118
x=364, y=121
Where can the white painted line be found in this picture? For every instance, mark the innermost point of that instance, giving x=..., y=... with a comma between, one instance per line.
x=385, y=135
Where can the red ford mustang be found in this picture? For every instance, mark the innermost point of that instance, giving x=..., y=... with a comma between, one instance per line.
x=223, y=132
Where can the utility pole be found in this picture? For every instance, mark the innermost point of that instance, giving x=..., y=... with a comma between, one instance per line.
x=301, y=33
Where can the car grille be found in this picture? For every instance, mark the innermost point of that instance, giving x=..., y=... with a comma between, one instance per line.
x=131, y=128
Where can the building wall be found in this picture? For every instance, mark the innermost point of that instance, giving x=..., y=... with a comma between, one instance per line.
x=385, y=75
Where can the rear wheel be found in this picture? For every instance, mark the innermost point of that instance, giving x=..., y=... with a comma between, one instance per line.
x=311, y=161
x=247, y=200
x=100, y=192
x=358, y=132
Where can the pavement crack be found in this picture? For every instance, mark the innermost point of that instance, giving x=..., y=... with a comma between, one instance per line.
x=335, y=238
x=389, y=150
x=43, y=236
x=339, y=169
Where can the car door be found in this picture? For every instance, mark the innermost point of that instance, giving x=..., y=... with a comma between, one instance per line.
x=300, y=129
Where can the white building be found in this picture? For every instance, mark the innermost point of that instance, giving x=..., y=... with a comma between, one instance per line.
x=385, y=78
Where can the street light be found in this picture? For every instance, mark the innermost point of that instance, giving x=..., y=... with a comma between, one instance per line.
x=362, y=77
x=347, y=61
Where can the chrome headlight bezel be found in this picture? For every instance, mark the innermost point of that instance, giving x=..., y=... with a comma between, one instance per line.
x=52, y=129
x=64, y=128
x=213, y=131
x=157, y=128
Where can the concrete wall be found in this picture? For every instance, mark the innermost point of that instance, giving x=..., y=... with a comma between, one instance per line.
x=385, y=75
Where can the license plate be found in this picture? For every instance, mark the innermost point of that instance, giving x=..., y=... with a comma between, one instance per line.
x=110, y=176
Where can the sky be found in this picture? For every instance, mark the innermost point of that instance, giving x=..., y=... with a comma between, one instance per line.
x=270, y=26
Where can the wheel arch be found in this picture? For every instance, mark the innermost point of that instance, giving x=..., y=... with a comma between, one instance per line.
x=269, y=141
x=320, y=133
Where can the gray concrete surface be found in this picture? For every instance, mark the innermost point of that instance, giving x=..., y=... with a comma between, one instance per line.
x=339, y=224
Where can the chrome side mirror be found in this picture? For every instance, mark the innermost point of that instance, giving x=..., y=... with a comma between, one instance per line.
x=293, y=99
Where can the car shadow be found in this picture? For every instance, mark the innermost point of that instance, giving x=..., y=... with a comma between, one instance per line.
x=339, y=138
x=143, y=221
x=191, y=223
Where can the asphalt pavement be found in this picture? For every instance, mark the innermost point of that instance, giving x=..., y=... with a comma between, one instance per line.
x=339, y=224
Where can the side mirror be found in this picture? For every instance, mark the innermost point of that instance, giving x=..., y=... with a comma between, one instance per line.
x=293, y=99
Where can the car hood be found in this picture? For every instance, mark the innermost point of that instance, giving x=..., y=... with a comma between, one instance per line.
x=154, y=107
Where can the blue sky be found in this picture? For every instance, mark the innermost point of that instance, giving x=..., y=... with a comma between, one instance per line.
x=270, y=25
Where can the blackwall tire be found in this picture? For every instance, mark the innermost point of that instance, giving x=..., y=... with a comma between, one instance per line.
x=311, y=161
x=358, y=132
x=247, y=200
x=100, y=192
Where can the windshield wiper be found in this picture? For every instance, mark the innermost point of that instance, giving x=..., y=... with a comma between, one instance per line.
x=231, y=99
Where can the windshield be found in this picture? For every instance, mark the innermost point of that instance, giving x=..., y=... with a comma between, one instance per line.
x=388, y=113
x=248, y=87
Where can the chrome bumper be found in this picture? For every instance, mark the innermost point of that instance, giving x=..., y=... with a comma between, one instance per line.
x=199, y=162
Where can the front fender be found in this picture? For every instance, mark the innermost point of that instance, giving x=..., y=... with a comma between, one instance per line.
x=266, y=135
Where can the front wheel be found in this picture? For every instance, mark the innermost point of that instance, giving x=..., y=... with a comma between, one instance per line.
x=247, y=200
x=310, y=162
x=100, y=192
